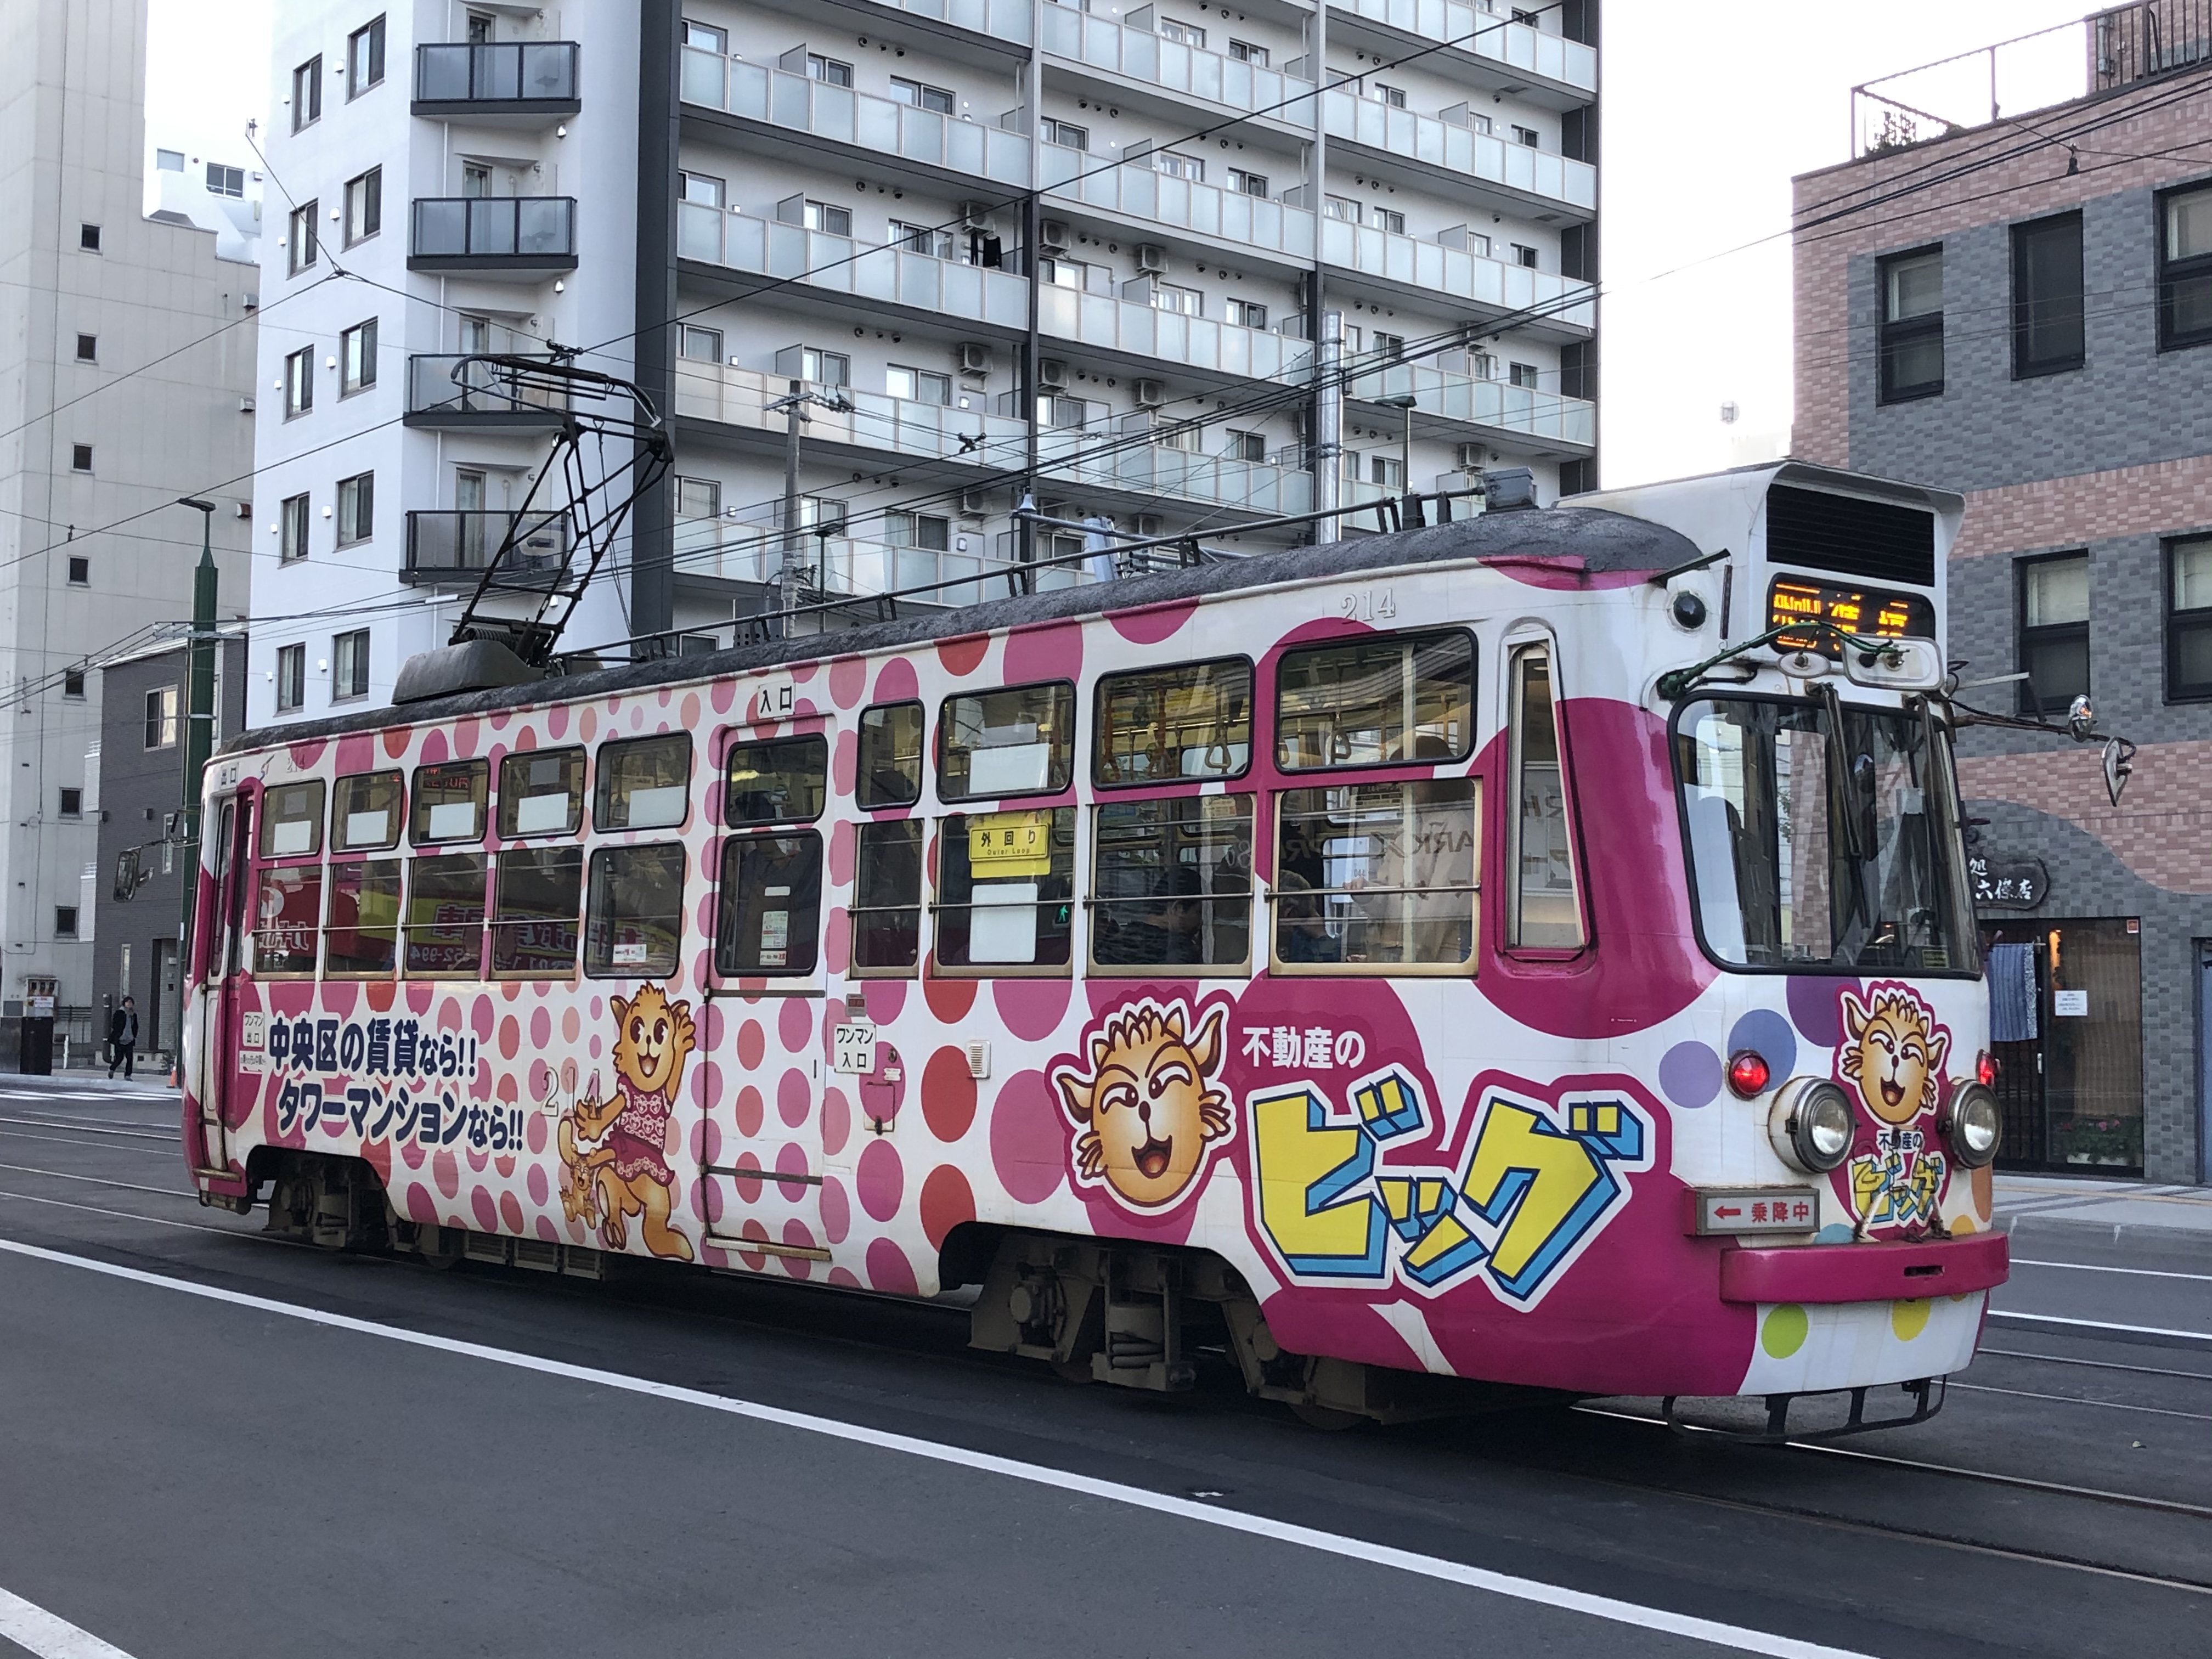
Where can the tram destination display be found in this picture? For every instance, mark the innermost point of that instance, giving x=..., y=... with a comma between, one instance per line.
x=1854, y=611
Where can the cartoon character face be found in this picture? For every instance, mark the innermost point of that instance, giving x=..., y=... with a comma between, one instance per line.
x=652, y=1036
x=1895, y=1055
x=1145, y=1114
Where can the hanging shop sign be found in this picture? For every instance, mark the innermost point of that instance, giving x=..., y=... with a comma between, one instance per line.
x=2007, y=883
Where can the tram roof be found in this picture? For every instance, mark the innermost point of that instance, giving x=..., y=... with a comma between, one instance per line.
x=1603, y=543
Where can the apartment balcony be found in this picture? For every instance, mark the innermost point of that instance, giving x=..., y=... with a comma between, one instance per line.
x=816, y=113
x=454, y=392
x=1253, y=224
x=1455, y=405
x=1504, y=56
x=1544, y=303
x=517, y=238
x=1201, y=343
x=449, y=547
x=932, y=432
x=1501, y=176
x=1000, y=27
x=838, y=567
x=1086, y=41
x=523, y=83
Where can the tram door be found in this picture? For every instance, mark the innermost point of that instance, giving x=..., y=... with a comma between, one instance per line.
x=763, y=1172
x=222, y=956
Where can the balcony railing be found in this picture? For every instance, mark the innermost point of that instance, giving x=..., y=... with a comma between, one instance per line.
x=1201, y=342
x=535, y=232
x=533, y=76
x=1542, y=417
x=1477, y=156
x=839, y=265
x=446, y=544
x=1514, y=45
x=1140, y=192
x=838, y=565
x=478, y=398
x=1433, y=268
x=882, y=126
x=1140, y=55
x=740, y=397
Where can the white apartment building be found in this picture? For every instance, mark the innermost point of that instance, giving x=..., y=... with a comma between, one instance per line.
x=224, y=197
x=104, y=422
x=1013, y=247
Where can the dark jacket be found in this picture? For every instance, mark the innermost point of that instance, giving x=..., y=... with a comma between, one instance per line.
x=122, y=1026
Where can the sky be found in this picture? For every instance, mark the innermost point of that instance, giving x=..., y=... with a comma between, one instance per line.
x=1708, y=111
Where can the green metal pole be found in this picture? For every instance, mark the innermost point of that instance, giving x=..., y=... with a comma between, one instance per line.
x=199, y=725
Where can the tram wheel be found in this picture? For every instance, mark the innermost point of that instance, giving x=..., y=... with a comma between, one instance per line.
x=1074, y=1372
x=1327, y=1418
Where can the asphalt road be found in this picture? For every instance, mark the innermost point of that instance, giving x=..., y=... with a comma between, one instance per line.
x=221, y=1444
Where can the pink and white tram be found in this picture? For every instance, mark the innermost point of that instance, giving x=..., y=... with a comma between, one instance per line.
x=1489, y=950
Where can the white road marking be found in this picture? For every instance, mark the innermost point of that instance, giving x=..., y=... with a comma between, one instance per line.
x=2077, y=1324
x=2072, y=1400
x=99, y=1180
x=1606, y=1607
x=2137, y=1272
x=29, y=1625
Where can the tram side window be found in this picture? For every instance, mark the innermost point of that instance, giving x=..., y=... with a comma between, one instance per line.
x=363, y=934
x=292, y=820
x=1005, y=889
x=444, y=924
x=1386, y=700
x=536, y=900
x=289, y=913
x=366, y=812
x=771, y=904
x=541, y=792
x=645, y=783
x=449, y=801
x=886, y=912
x=1193, y=720
x=784, y=780
x=1020, y=741
x=636, y=917
x=1377, y=877
x=1544, y=910
x=1171, y=883
x=889, y=772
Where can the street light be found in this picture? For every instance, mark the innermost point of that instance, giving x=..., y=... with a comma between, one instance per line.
x=1404, y=402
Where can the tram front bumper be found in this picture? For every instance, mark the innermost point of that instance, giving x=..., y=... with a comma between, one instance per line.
x=1887, y=1272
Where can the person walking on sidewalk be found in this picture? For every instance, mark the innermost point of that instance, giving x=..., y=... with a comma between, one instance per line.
x=123, y=1037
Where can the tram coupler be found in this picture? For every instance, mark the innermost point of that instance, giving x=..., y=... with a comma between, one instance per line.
x=1927, y=1394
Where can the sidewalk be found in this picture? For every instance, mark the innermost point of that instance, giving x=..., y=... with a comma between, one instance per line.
x=2041, y=1203
x=150, y=1080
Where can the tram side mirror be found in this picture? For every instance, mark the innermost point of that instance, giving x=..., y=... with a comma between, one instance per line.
x=129, y=875
x=1896, y=665
x=2119, y=761
x=2081, y=718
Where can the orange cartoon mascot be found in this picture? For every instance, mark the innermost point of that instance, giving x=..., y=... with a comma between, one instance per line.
x=617, y=1149
x=1148, y=1110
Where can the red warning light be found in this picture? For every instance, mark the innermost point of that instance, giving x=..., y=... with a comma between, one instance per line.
x=1747, y=1073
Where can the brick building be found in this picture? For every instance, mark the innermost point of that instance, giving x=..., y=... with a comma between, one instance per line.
x=2020, y=308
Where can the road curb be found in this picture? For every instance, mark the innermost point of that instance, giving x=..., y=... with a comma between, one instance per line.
x=2109, y=1233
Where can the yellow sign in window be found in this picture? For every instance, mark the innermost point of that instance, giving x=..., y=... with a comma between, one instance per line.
x=1009, y=843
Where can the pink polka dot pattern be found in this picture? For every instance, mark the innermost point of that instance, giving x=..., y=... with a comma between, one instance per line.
x=889, y=1270
x=1033, y=1008
x=794, y=1097
x=1027, y=1143
x=837, y=1210
x=836, y=1122
x=849, y=678
x=946, y=1201
x=750, y=1111
x=878, y=1180
x=445, y=1171
x=794, y=1023
x=752, y=1043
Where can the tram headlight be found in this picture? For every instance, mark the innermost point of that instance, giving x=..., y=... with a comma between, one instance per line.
x=1811, y=1124
x=1972, y=1124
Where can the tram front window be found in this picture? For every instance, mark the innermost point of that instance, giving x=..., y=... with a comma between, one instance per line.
x=1822, y=842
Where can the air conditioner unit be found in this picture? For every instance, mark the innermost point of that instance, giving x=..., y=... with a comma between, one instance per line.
x=1054, y=235
x=972, y=504
x=976, y=215
x=1149, y=394
x=974, y=358
x=1052, y=374
x=1472, y=458
x=1152, y=260
x=1149, y=526
x=243, y=509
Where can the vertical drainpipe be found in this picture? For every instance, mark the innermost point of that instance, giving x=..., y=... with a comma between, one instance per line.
x=652, y=520
x=1325, y=414
x=1032, y=107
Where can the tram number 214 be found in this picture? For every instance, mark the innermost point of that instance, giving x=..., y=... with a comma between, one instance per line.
x=1367, y=604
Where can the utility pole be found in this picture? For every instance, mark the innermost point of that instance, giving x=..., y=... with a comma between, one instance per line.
x=794, y=411
x=200, y=722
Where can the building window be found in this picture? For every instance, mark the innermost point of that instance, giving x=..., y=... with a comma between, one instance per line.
x=1388, y=471
x=1911, y=345
x=65, y=921
x=1185, y=301
x=72, y=681
x=168, y=160
x=2185, y=268
x=2047, y=336
x=291, y=676
x=80, y=571
x=88, y=348
x=918, y=386
x=357, y=358
x=299, y=237
x=1246, y=445
x=701, y=345
x=1247, y=314
x=357, y=508
x=821, y=514
x=2189, y=619
x=1341, y=207
x=80, y=458
x=1065, y=134
x=161, y=718
x=292, y=529
x=1245, y=52
x=364, y=58
x=702, y=37
x=350, y=665
x=225, y=181
x=72, y=803
x=1184, y=34
x=307, y=93
x=923, y=530
x=1527, y=136
x=825, y=368
x=1244, y=183
x=698, y=498
x=1177, y=165
x=704, y=188
x=364, y=205
x=1391, y=220
x=1524, y=375
x=921, y=239
x=1389, y=346
x=936, y=99
x=1524, y=254
x=87, y=238
x=299, y=382
x=1393, y=96
x=475, y=181
x=2054, y=632
x=828, y=218
x=828, y=70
